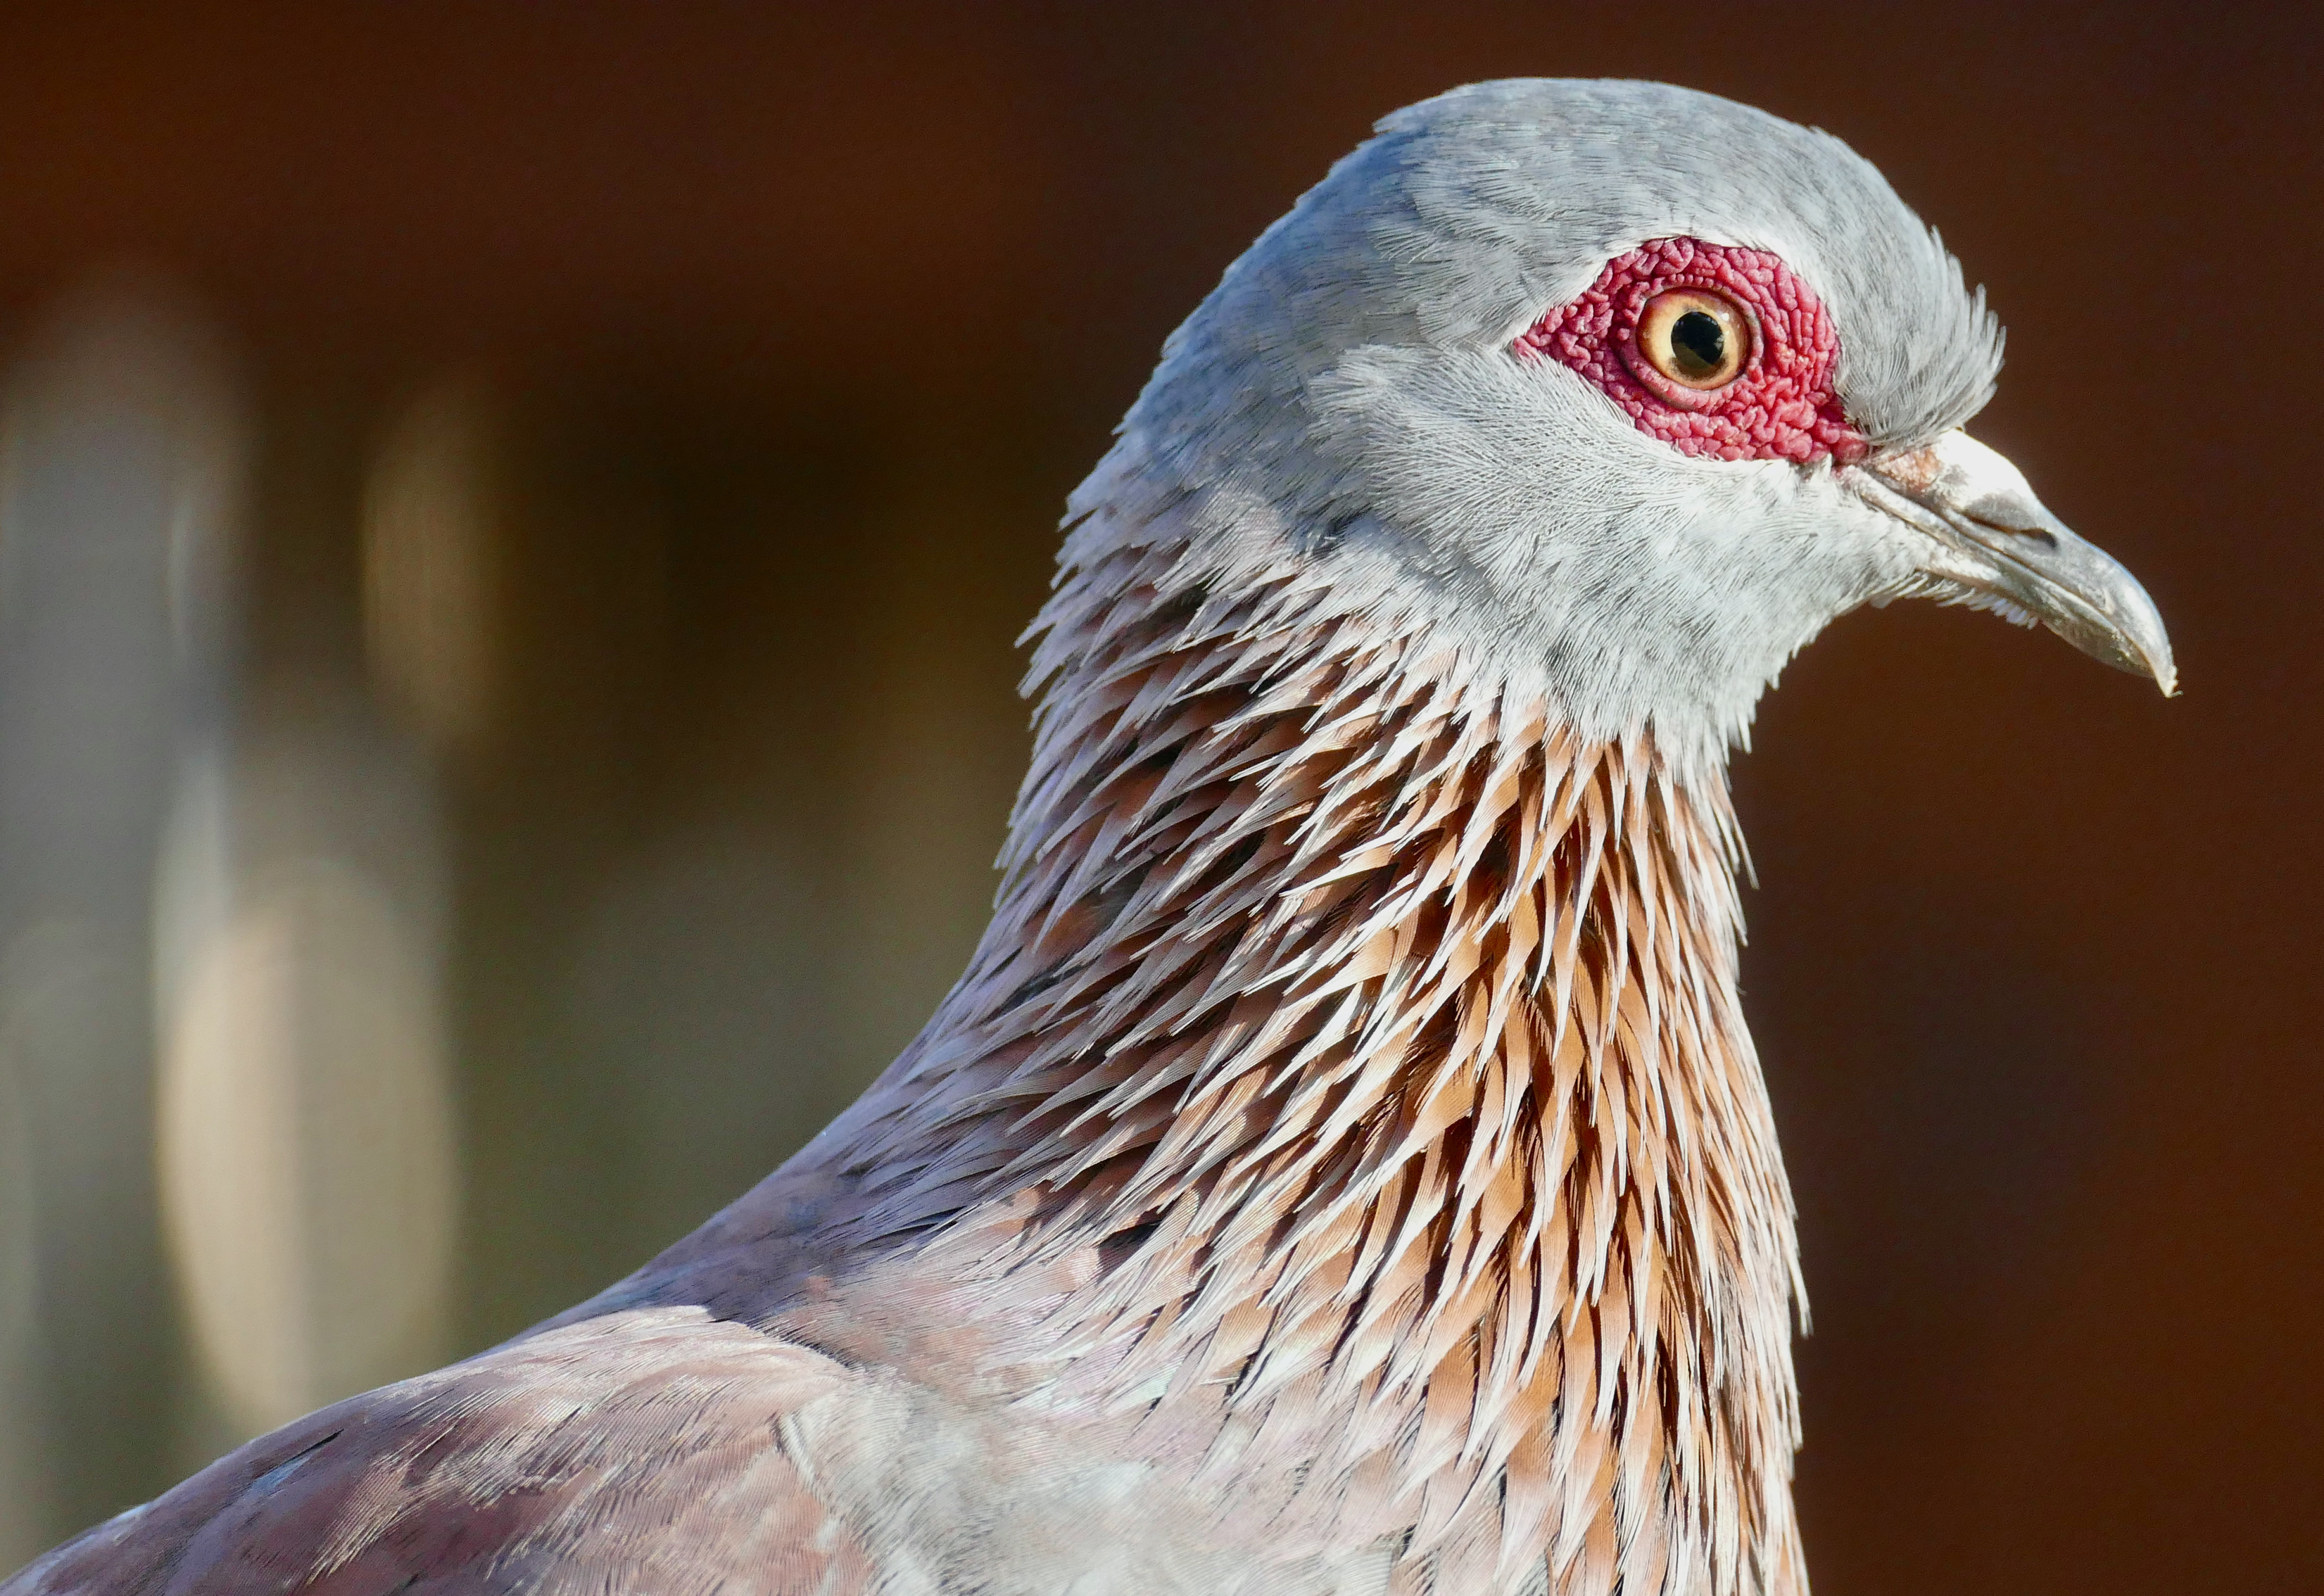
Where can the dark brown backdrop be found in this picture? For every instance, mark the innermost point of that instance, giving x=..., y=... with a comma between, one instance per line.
x=796, y=331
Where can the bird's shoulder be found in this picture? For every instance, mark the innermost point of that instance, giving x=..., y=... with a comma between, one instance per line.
x=652, y=1449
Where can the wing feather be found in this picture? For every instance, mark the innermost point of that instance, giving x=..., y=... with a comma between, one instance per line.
x=640, y=1451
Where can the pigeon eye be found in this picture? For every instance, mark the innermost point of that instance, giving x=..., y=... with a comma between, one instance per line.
x=1696, y=339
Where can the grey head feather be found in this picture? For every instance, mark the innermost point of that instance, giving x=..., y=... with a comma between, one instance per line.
x=1347, y=401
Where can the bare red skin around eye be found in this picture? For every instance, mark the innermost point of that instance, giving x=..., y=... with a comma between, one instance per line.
x=1780, y=407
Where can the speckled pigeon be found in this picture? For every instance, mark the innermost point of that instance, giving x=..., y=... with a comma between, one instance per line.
x=1343, y=1167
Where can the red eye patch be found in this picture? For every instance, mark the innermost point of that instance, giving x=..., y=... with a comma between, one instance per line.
x=1779, y=407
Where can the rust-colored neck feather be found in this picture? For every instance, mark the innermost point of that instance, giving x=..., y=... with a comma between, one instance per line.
x=1368, y=1049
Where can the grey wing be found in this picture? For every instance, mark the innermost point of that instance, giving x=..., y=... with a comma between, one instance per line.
x=640, y=1452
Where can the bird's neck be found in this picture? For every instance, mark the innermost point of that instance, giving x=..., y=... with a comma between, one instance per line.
x=1352, y=1042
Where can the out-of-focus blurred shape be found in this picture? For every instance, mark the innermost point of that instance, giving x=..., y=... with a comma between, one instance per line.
x=119, y=453
x=306, y=1126
x=430, y=579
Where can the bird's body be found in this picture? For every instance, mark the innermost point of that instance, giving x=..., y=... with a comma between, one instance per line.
x=1343, y=1167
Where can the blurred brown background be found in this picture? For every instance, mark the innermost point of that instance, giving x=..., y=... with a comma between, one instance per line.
x=511, y=523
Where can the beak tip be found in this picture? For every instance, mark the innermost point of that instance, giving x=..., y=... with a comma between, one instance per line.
x=2156, y=664
x=2161, y=663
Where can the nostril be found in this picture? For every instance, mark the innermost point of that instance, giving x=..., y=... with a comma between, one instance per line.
x=2038, y=534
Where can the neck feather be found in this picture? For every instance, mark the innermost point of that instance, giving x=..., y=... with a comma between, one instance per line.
x=1368, y=1047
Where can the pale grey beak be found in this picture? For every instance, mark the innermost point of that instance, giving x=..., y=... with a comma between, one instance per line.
x=1993, y=536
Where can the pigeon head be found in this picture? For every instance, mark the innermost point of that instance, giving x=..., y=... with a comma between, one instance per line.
x=1627, y=390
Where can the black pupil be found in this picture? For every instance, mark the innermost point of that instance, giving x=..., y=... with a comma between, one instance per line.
x=1698, y=344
